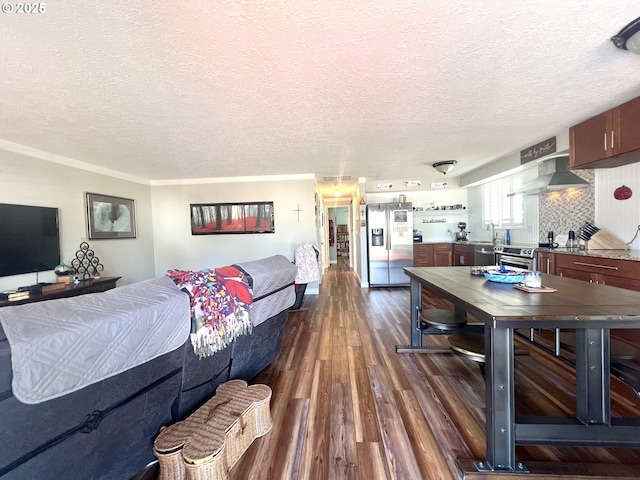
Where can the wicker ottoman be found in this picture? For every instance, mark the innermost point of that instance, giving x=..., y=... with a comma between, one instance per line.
x=208, y=443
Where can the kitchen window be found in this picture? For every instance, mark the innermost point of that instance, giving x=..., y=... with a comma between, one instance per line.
x=498, y=208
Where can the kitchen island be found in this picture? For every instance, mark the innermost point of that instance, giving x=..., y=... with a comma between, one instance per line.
x=591, y=309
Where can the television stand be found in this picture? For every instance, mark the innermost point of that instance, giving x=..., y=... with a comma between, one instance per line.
x=94, y=285
x=37, y=288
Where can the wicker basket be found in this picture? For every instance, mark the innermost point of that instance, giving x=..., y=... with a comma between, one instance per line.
x=208, y=444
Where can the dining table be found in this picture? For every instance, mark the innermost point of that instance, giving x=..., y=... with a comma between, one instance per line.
x=591, y=309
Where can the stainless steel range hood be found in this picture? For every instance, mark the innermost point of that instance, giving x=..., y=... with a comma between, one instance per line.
x=555, y=175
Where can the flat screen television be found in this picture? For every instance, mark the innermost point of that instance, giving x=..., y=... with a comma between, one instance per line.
x=29, y=239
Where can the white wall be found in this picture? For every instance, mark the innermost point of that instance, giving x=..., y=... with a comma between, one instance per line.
x=510, y=163
x=619, y=217
x=519, y=236
x=432, y=232
x=30, y=181
x=175, y=247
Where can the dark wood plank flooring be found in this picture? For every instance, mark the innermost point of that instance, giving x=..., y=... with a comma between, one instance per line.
x=345, y=405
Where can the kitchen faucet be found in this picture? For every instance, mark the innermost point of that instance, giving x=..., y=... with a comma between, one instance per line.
x=492, y=226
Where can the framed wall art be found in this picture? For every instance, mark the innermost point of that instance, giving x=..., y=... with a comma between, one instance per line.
x=229, y=218
x=110, y=217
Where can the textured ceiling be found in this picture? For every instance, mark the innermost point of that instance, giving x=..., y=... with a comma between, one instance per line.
x=378, y=89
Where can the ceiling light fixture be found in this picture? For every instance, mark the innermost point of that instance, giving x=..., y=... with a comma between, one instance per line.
x=445, y=166
x=629, y=37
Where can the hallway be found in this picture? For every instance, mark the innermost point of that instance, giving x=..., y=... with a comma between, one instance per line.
x=346, y=405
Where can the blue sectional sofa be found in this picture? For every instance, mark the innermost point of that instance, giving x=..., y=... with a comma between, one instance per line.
x=105, y=430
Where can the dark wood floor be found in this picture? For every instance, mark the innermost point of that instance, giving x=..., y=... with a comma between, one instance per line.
x=345, y=405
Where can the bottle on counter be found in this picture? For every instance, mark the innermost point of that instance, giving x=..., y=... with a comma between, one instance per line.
x=507, y=237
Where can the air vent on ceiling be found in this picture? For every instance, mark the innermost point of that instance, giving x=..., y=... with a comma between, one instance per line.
x=333, y=179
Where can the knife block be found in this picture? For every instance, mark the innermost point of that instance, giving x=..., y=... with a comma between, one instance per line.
x=603, y=240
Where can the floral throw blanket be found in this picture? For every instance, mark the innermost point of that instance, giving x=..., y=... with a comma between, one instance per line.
x=220, y=300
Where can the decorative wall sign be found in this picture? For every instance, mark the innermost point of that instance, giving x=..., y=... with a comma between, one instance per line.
x=229, y=218
x=538, y=150
x=110, y=217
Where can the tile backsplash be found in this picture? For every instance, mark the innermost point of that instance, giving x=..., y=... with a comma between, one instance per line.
x=564, y=210
x=568, y=210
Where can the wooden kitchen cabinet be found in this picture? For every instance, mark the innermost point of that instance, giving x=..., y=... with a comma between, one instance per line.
x=442, y=255
x=629, y=283
x=600, y=270
x=432, y=254
x=462, y=254
x=547, y=262
x=607, y=140
x=609, y=271
x=423, y=254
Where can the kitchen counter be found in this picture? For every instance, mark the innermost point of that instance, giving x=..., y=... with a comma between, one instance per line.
x=479, y=243
x=615, y=254
x=433, y=242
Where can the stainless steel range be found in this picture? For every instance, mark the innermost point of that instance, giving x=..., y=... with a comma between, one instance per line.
x=516, y=256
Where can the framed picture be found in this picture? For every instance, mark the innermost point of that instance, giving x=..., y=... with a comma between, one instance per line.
x=110, y=217
x=226, y=218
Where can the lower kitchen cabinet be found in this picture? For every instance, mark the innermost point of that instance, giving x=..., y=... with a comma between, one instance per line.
x=442, y=255
x=423, y=254
x=462, y=254
x=547, y=262
x=432, y=254
x=608, y=271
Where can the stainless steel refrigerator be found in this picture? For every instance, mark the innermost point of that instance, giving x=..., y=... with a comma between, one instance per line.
x=389, y=243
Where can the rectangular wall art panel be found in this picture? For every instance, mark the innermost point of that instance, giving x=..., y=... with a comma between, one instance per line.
x=226, y=218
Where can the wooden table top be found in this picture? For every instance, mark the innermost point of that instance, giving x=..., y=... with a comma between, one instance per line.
x=575, y=304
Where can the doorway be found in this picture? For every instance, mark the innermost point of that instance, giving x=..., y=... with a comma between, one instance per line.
x=339, y=240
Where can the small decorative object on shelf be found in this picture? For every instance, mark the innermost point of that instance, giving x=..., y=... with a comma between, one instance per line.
x=86, y=265
x=63, y=273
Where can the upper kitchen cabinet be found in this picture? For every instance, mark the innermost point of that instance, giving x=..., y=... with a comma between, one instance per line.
x=607, y=140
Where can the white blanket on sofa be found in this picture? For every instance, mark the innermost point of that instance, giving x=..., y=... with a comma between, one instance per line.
x=60, y=346
x=272, y=280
